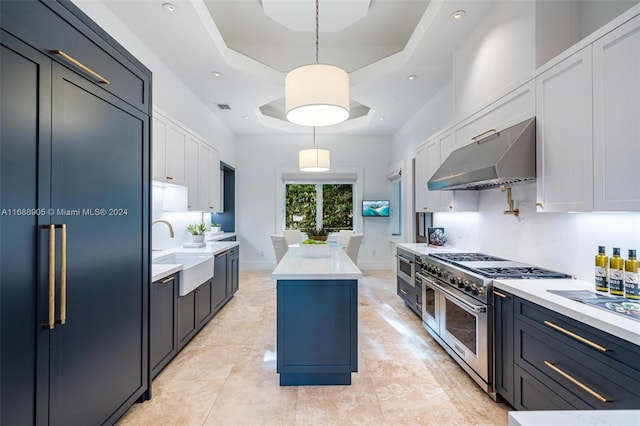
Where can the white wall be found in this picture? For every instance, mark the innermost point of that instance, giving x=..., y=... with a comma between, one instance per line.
x=169, y=93
x=496, y=54
x=259, y=158
x=561, y=241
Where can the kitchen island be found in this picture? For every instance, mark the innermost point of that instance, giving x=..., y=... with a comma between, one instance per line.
x=317, y=318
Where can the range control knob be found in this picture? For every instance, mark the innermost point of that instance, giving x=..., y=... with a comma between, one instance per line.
x=467, y=285
x=475, y=291
x=480, y=291
x=439, y=272
x=460, y=283
x=452, y=280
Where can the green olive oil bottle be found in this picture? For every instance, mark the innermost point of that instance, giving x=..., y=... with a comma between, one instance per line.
x=616, y=274
x=631, y=289
x=602, y=276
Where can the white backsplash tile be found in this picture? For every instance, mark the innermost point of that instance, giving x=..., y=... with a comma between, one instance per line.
x=566, y=242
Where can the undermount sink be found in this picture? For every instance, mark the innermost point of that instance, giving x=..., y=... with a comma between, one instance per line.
x=196, y=269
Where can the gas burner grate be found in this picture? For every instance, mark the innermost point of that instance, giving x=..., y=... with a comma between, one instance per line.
x=466, y=257
x=520, y=272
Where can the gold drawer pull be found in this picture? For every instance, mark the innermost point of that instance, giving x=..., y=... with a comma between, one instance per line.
x=497, y=293
x=63, y=273
x=578, y=383
x=84, y=68
x=577, y=337
x=483, y=133
x=52, y=277
x=168, y=280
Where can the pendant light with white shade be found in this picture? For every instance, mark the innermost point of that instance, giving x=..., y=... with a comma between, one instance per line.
x=317, y=94
x=314, y=159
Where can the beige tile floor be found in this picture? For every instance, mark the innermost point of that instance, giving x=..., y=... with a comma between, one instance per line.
x=227, y=374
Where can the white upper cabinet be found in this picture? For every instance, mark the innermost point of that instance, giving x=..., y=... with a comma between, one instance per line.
x=181, y=157
x=159, y=144
x=511, y=109
x=616, y=119
x=420, y=186
x=191, y=172
x=209, y=178
x=564, y=143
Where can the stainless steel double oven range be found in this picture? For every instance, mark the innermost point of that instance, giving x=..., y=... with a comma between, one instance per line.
x=457, y=305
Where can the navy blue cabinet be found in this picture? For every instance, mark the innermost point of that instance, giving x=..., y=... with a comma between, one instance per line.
x=219, y=294
x=75, y=214
x=163, y=327
x=233, y=271
x=503, y=322
x=548, y=361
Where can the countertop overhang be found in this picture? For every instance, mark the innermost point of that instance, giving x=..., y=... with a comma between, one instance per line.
x=337, y=266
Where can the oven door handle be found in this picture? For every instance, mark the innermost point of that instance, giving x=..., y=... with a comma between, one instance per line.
x=404, y=259
x=478, y=309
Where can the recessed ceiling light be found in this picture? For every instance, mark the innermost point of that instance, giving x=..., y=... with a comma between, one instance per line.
x=169, y=7
x=246, y=117
x=216, y=73
x=412, y=77
x=382, y=118
x=458, y=14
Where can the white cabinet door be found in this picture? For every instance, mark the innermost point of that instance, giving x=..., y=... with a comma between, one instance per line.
x=616, y=119
x=454, y=201
x=159, y=145
x=511, y=109
x=176, y=139
x=433, y=162
x=420, y=184
x=208, y=178
x=191, y=172
x=564, y=145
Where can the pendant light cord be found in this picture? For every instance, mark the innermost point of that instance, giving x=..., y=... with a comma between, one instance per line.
x=314, y=137
x=317, y=25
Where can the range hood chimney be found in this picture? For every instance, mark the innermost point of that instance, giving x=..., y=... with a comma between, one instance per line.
x=503, y=158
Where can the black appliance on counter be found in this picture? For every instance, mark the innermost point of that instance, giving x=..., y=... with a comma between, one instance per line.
x=457, y=305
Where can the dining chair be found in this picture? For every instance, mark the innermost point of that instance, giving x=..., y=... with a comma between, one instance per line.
x=344, y=235
x=280, y=246
x=353, y=247
x=293, y=236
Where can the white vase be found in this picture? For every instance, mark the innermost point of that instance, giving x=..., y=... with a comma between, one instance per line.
x=197, y=238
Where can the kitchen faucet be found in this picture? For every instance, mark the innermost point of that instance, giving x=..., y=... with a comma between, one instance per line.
x=171, y=234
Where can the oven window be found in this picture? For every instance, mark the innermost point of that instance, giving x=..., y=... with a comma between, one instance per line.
x=429, y=302
x=462, y=325
x=405, y=267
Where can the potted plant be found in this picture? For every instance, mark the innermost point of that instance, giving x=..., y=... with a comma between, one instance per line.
x=197, y=231
x=215, y=227
x=318, y=234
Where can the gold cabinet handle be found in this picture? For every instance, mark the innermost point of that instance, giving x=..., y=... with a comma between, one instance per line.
x=168, y=280
x=578, y=383
x=52, y=277
x=51, y=300
x=576, y=337
x=63, y=273
x=540, y=205
x=483, y=133
x=497, y=293
x=84, y=68
x=169, y=178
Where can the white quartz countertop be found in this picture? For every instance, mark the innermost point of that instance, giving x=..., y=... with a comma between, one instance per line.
x=575, y=418
x=336, y=266
x=159, y=271
x=219, y=236
x=536, y=292
x=423, y=249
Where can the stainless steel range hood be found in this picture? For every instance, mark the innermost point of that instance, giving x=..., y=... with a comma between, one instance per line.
x=506, y=157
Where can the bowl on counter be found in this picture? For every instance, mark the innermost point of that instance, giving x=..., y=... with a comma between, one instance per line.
x=314, y=250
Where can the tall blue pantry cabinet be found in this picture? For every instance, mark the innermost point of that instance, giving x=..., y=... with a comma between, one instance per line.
x=74, y=230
